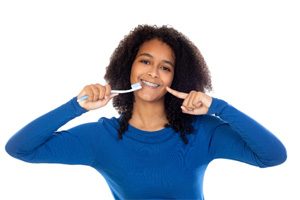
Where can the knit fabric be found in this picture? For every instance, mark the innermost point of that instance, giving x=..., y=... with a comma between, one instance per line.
x=148, y=164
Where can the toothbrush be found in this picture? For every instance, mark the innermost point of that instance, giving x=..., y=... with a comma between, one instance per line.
x=134, y=87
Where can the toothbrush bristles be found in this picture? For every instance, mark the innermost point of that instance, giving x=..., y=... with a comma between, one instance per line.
x=136, y=85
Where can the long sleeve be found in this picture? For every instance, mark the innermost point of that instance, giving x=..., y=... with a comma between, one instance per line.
x=241, y=138
x=40, y=142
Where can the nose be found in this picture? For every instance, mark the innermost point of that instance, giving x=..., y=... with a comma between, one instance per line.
x=153, y=72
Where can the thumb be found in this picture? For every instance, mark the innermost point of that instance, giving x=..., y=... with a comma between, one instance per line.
x=112, y=95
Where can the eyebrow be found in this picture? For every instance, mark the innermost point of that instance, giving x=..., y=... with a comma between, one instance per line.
x=149, y=55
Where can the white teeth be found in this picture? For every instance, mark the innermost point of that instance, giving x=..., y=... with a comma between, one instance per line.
x=150, y=84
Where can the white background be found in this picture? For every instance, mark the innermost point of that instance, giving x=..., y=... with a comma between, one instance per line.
x=50, y=49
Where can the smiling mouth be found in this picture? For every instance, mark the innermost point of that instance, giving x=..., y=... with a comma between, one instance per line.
x=150, y=84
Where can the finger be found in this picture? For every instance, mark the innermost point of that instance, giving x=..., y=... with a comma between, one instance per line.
x=198, y=104
x=83, y=92
x=183, y=108
x=108, y=98
x=113, y=95
x=102, y=92
x=186, y=110
x=82, y=96
x=96, y=92
x=191, y=100
x=186, y=101
x=107, y=90
x=180, y=95
x=89, y=93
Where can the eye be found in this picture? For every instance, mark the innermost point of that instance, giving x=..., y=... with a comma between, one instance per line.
x=166, y=68
x=146, y=62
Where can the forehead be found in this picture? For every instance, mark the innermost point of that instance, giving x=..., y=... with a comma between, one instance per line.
x=157, y=48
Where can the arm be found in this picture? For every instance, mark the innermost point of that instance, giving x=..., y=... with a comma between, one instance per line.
x=39, y=141
x=241, y=138
x=235, y=135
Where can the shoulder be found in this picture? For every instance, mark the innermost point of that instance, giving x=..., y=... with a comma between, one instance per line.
x=109, y=126
x=94, y=127
x=112, y=122
x=96, y=132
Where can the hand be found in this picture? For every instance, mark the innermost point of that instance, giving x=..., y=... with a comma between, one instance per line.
x=98, y=96
x=195, y=103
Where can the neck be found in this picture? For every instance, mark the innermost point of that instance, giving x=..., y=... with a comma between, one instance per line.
x=148, y=115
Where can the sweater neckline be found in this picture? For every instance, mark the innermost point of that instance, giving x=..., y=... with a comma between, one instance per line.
x=144, y=136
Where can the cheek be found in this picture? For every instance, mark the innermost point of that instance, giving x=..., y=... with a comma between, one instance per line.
x=136, y=73
x=170, y=80
x=138, y=70
x=133, y=70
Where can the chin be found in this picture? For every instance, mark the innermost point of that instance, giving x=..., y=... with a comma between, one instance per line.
x=149, y=98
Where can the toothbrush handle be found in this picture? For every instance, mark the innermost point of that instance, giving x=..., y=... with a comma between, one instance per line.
x=119, y=91
x=112, y=91
x=82, y=98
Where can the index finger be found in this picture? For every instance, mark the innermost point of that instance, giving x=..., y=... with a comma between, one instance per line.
x=178, y=94
x=107, y=90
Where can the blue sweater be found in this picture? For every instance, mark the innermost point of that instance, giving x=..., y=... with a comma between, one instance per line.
x=148, y=165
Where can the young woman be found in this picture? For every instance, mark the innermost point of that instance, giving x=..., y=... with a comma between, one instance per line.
x=167, y=132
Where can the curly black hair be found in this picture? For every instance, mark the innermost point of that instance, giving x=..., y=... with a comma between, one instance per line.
x=190, y=73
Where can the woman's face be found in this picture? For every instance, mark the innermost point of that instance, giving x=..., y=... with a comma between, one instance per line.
x=154, y=68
